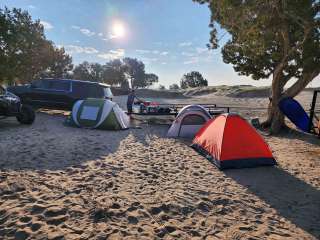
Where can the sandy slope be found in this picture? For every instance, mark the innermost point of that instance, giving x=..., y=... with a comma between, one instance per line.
x=58, y=182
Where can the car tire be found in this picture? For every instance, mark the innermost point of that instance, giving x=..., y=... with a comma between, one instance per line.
x=27, y=115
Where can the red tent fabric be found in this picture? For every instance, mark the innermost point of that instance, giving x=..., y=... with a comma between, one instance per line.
x=231, y=142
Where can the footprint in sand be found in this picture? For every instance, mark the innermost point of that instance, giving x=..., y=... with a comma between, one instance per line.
x=21, y=234
x=36, y=226
x=133, y=220
x=55, y=215
x=25, y=219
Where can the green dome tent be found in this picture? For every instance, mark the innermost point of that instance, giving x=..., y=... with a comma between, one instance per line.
x=98, y=113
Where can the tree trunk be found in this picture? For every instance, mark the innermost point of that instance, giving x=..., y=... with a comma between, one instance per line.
x=275, y=119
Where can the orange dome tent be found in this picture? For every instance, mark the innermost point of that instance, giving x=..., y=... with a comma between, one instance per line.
x=229, y=141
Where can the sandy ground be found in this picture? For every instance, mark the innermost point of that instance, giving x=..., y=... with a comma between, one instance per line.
x=58, y=182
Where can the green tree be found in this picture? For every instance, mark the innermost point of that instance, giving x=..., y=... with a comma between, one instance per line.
x=24, y=50
x=162, y=87
x=135, y=71
x=275, y=38
x=150, y=79
x=60, y=65
x=174, y=86
x=114, y=73
x=93, y=72
x=193, y=79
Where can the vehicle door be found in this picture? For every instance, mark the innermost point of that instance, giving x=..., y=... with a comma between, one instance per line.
x=59, y=94
x=37, y=94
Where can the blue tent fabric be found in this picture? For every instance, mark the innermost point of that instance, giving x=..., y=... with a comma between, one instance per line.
x=292, y=109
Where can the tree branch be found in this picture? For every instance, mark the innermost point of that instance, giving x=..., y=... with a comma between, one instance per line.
x=301, y=83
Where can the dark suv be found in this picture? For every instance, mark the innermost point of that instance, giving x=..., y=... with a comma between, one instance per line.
x=59, y=93
x=10, y=106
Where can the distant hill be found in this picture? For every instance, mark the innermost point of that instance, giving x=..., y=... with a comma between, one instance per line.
x=238, y=91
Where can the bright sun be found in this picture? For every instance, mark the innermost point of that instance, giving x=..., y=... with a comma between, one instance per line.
x=118, y=30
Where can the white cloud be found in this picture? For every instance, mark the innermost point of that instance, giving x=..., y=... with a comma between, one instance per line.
x=191, y=60
x=156, y=52
x=185, y=44
x=46, y=25
x=188, y=54
x=201, y=50
x=31, y=6
x=78, y=49
x=164, y=63
x=149, y=60
x=142, y=51
x=84, y=31
x=87, y=32
x=100, y=34
x=108, y=38
x=112, y=54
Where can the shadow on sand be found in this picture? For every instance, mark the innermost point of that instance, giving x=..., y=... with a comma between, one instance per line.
x=293, y=199
x=291, y=133
x=50, y=145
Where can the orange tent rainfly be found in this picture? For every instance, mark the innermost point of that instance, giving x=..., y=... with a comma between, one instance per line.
x=229, y=141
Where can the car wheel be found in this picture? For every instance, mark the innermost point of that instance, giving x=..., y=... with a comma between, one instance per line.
x=26, y=115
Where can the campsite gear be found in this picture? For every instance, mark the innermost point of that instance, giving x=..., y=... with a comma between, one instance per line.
x=100, y=114
x=292, y=109
x=229, y=141
x=255, y=122
x=168, y=112
x=188, y=121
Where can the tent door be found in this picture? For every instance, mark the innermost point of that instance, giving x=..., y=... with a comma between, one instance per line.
x=190, y=125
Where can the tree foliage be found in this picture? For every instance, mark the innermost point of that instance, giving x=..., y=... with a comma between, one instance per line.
x=60, y=65
x=125, y=72
x=93, y=72
x=25, y=53
x=275, y=38
x=174, y=86
x=162, y=87
x=193, y=79
x=114, y=73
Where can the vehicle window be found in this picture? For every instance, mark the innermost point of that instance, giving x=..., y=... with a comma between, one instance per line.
x=80, y=89
x=42, y=84
x=37, y=84
x=87, y=90
x=59, y=85
x=95, y=91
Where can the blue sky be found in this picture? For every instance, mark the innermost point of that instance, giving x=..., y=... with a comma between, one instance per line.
x=169, y=36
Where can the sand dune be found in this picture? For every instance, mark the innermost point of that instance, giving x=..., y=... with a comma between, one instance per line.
x=58, y=182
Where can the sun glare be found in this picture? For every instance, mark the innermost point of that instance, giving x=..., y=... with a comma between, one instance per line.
x=118, y=30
